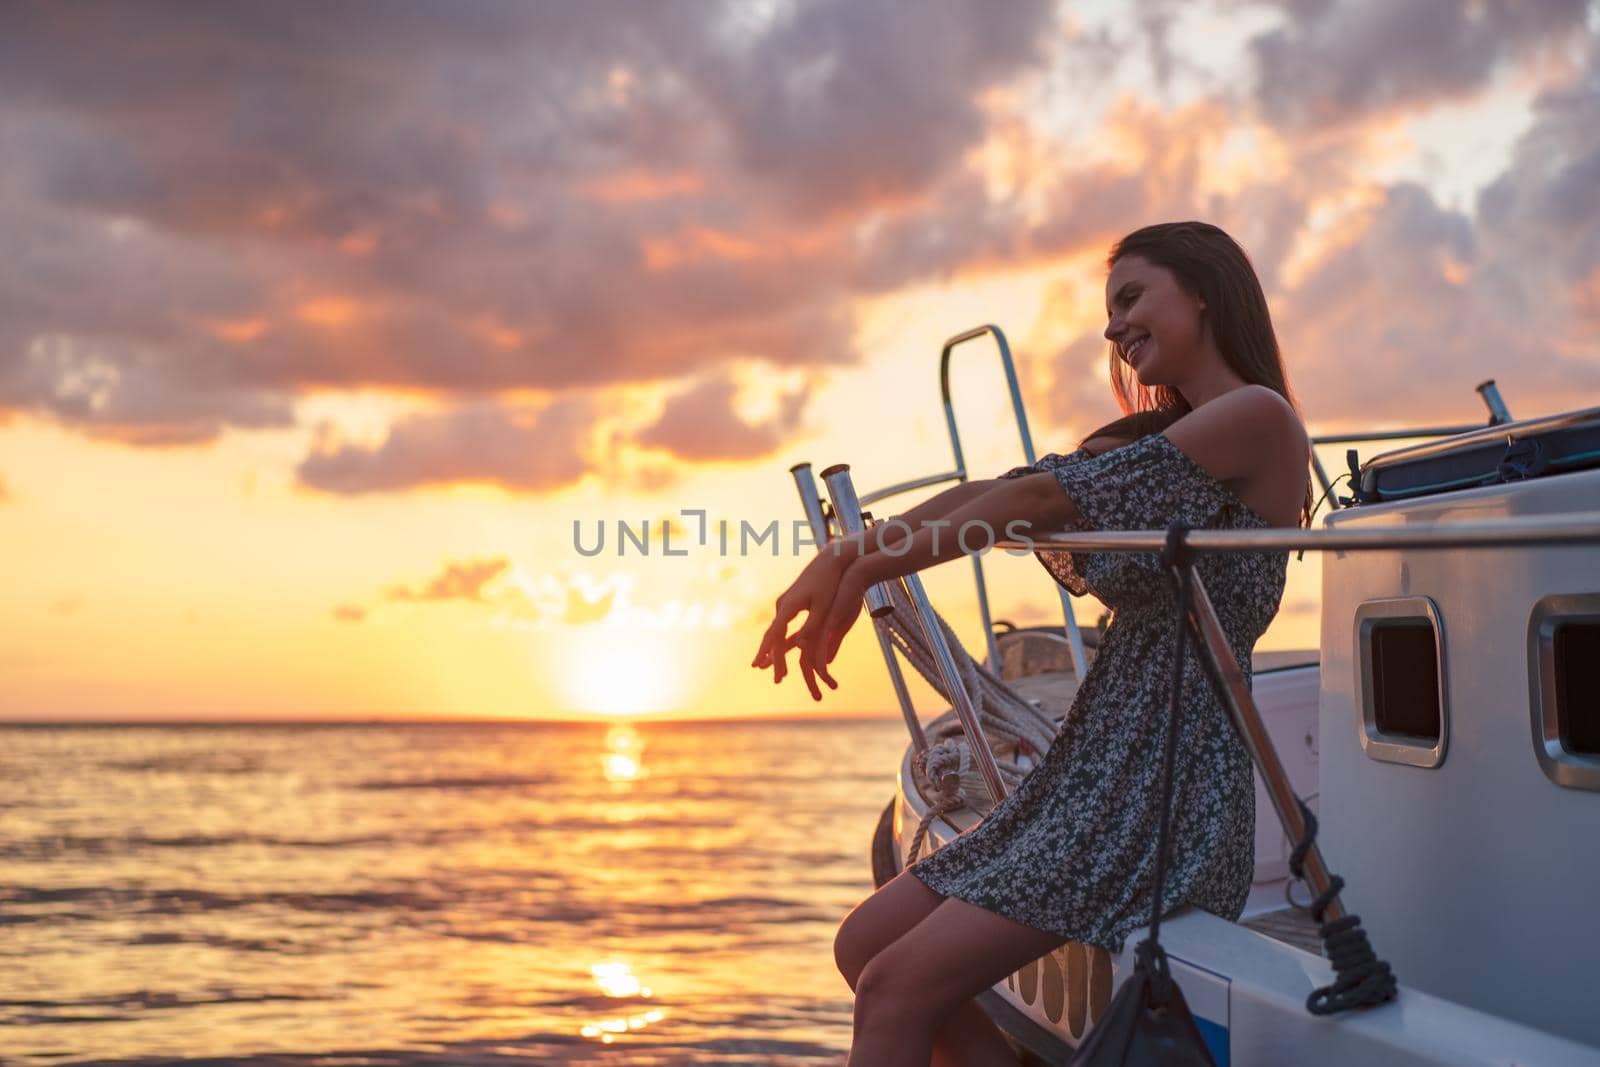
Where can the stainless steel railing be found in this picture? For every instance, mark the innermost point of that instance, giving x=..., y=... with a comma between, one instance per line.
x=801, y=472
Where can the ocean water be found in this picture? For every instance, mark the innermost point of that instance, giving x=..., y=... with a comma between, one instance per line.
x=422, y=894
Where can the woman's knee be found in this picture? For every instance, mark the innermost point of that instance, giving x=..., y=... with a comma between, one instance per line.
x=877, y=922
x=888, y=992
x=852, y=948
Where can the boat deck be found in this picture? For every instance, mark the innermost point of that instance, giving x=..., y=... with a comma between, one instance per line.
x=1290, y=925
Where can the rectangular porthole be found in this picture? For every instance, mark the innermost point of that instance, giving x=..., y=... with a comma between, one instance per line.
x=1405, y=679
x=1564, y=676
x=1578, y=686
x=1402, y=684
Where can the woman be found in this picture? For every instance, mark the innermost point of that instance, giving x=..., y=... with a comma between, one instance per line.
x=1212, y=440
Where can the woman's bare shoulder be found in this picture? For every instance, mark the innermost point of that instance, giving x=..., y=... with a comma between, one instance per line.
x=1242, y=435
x=1099, y=446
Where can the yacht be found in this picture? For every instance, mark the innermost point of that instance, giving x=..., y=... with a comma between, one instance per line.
x=1444, y=737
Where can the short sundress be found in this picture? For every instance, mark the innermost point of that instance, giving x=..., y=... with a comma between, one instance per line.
x=1072, y=850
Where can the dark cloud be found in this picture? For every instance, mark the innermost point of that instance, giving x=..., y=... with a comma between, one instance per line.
x=212, y=210
x=116, y=388
x=845, y=104
x=1412, y=316
x=1431, y=299
x=526, y=451
x=1543, y=214
x=700, y=424
x=458, y=581
x=349, y=612
x=1407, y=306
x=1336, y=61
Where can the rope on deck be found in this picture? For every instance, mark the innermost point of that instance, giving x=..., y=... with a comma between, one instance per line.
x=1017, y=729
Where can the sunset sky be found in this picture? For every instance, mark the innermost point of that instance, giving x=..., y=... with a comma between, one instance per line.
x=321, y=325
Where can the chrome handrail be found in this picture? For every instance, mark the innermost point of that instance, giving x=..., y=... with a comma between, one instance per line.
x=915, y=483
x=960, y=699
x=1578, y=528
x=1080, y=661
x=845, y=506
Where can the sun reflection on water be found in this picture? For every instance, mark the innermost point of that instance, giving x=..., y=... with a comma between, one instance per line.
x=616, y=979
x=623, y=760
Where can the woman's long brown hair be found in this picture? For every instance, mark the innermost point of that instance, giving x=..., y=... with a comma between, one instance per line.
x=1210, y=265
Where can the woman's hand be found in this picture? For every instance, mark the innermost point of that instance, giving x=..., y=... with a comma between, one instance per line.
x=821, y=593
x=841, y=615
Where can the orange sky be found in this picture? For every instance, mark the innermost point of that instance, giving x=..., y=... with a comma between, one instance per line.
x=310, y=359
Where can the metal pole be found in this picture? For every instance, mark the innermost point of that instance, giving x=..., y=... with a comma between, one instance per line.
x=805, y=484
x=1322, y=478
x=977, y=741
x=1080, y=661
x=1573, y=529
x=847, y=509
x=1253, y=732
x=1498, y=412
x=919, y=739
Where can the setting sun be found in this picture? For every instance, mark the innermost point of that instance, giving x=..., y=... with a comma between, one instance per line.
x=620, y=670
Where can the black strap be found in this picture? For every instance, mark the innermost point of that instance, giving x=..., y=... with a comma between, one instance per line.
x=1148, y=953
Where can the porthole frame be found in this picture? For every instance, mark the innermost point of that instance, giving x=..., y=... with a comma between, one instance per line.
x=1571, y=770
x=1379, y=744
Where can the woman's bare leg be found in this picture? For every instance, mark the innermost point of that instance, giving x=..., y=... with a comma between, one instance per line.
x=967, y=1038
x=929, y=974
x=880, y=920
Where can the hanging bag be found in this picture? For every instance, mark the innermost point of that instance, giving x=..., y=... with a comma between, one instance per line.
x=1147, y=1024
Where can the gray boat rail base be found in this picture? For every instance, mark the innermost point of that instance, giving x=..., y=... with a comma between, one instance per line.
x=1562, y=530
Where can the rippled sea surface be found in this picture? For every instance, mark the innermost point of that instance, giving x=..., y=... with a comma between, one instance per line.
x=421, y=894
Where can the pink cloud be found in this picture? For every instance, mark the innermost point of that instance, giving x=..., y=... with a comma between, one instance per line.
x=700, y=424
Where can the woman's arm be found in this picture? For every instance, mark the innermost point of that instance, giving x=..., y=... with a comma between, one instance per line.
x=940, y=505
x=936, y=509
x=816, y=590
x=831, y=587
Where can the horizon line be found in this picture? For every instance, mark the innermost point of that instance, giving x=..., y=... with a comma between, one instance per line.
x=579, y=719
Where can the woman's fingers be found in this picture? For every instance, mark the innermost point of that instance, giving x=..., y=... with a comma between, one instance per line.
x=820, y=603
x=774, y=642
x=770, y=641
x=810, y=670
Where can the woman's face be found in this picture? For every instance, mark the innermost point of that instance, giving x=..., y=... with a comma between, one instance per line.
x=1156, y=324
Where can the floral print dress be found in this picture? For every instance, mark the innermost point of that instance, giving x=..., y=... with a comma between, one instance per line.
x=1072, y=850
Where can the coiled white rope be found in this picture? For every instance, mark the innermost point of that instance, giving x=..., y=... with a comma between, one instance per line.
x=1018, y=730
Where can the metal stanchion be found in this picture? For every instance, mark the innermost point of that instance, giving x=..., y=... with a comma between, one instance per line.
x=806, y=485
